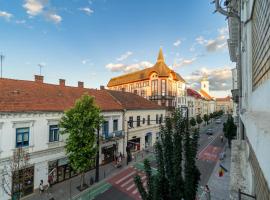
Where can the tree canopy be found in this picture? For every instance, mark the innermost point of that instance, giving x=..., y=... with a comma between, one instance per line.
x=177, y=175
x=80, y=123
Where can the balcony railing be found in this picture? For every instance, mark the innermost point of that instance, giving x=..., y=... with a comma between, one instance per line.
x=161, y=97
x=113, y=135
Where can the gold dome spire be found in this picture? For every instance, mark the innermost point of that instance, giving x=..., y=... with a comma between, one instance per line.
x=160, y=56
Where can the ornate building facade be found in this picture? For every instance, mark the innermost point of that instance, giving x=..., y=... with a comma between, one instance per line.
x=158, y=83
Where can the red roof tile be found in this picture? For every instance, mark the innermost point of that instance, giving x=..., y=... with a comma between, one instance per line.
x=191, y=92
x=20, y=96
x=228, y=98
x=205, y=95
x=29, y=96
x=132, y=101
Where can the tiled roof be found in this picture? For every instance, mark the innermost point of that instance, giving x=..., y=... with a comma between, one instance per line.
x=160, y=68
x=132, y=101
x=205, y=95
x=29, y=96
x=228, y=98
x=191, y=92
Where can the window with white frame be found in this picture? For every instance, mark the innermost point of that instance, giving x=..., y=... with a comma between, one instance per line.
x=53, y=133
x=22, y=137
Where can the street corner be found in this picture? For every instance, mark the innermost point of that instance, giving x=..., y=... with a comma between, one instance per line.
x=124, y=182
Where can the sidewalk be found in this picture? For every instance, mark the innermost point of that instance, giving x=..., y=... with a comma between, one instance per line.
x=67, y=189
x=219, y=186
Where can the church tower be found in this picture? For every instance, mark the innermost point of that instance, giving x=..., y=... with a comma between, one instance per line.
x=205, y=84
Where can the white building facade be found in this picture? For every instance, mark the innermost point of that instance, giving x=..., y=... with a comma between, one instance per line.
x=37, y=132
x=249, y=48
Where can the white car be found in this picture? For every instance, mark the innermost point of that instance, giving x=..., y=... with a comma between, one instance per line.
x=218, y=121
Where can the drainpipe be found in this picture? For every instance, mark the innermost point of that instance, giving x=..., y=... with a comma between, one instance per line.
x=239, y=70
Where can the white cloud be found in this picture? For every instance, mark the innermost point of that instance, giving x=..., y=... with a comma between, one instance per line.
x=184, y=62
x=5, y=15
x=54, y=18
x=124, y=56
x=216, y=44
x=127, y=68
x=177, y=43
x=201, y=40
x=20, y=21
x=219, y=78
x=87, y=10
x=41, y=7
x=34, y=7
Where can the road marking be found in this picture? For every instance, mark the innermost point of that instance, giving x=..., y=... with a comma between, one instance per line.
x=130, y=180
x=199, y=154
x=136, y=191
x=129, y=175
x=130, y=186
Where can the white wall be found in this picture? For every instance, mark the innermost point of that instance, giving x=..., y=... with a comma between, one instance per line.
x=41, y=151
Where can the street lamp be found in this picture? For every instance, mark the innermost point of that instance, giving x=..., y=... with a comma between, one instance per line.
x=129, y=125
x=184, y=111
x=97, y=156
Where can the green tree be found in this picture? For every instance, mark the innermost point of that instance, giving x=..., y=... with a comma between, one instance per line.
x=80, y=124
x=211, y=116
x=193, y=122
x=199, y=120
x=229, y=129
x=175, y=179
x=206, y=118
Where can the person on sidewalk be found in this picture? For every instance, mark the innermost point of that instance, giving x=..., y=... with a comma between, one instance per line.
x=41, y=187
x=207, y=191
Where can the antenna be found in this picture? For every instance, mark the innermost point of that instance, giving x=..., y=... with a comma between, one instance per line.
x=2, y=58
x=40, y=67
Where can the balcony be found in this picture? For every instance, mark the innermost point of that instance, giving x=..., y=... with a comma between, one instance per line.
x=235, y=95
x=113, y=135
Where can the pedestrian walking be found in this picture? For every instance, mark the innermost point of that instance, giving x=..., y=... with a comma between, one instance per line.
x=41, y=187
x=207, y=191
x=221, y=138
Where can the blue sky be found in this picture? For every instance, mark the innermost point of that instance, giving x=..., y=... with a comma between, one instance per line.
x=92, y=41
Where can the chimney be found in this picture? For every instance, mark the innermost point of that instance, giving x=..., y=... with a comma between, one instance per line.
x=62, y=82
x=80, y=84
x=39, y=78
x=102, y=87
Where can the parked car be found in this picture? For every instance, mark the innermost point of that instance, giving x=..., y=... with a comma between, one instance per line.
x=218, y=121
x=209, y=131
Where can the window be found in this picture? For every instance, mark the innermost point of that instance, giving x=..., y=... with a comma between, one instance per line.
x=156, y=118
x=154, y=87
x=148, y=119
x=163, y=87
x=131, y=122
x=143, y=121
x=53, y=133
x=22, y=137
x=138, y=121
x=105, y=128
x=115, y=125
x=143, y=93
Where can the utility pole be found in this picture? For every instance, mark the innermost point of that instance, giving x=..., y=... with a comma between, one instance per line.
x=1, y=59
x=40, y=67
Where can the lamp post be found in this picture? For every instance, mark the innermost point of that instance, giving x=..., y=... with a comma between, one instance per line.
x=184, y=110
x=97, y=156
x=127, y=147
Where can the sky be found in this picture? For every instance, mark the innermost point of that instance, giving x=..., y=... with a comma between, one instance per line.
x=95, y=40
